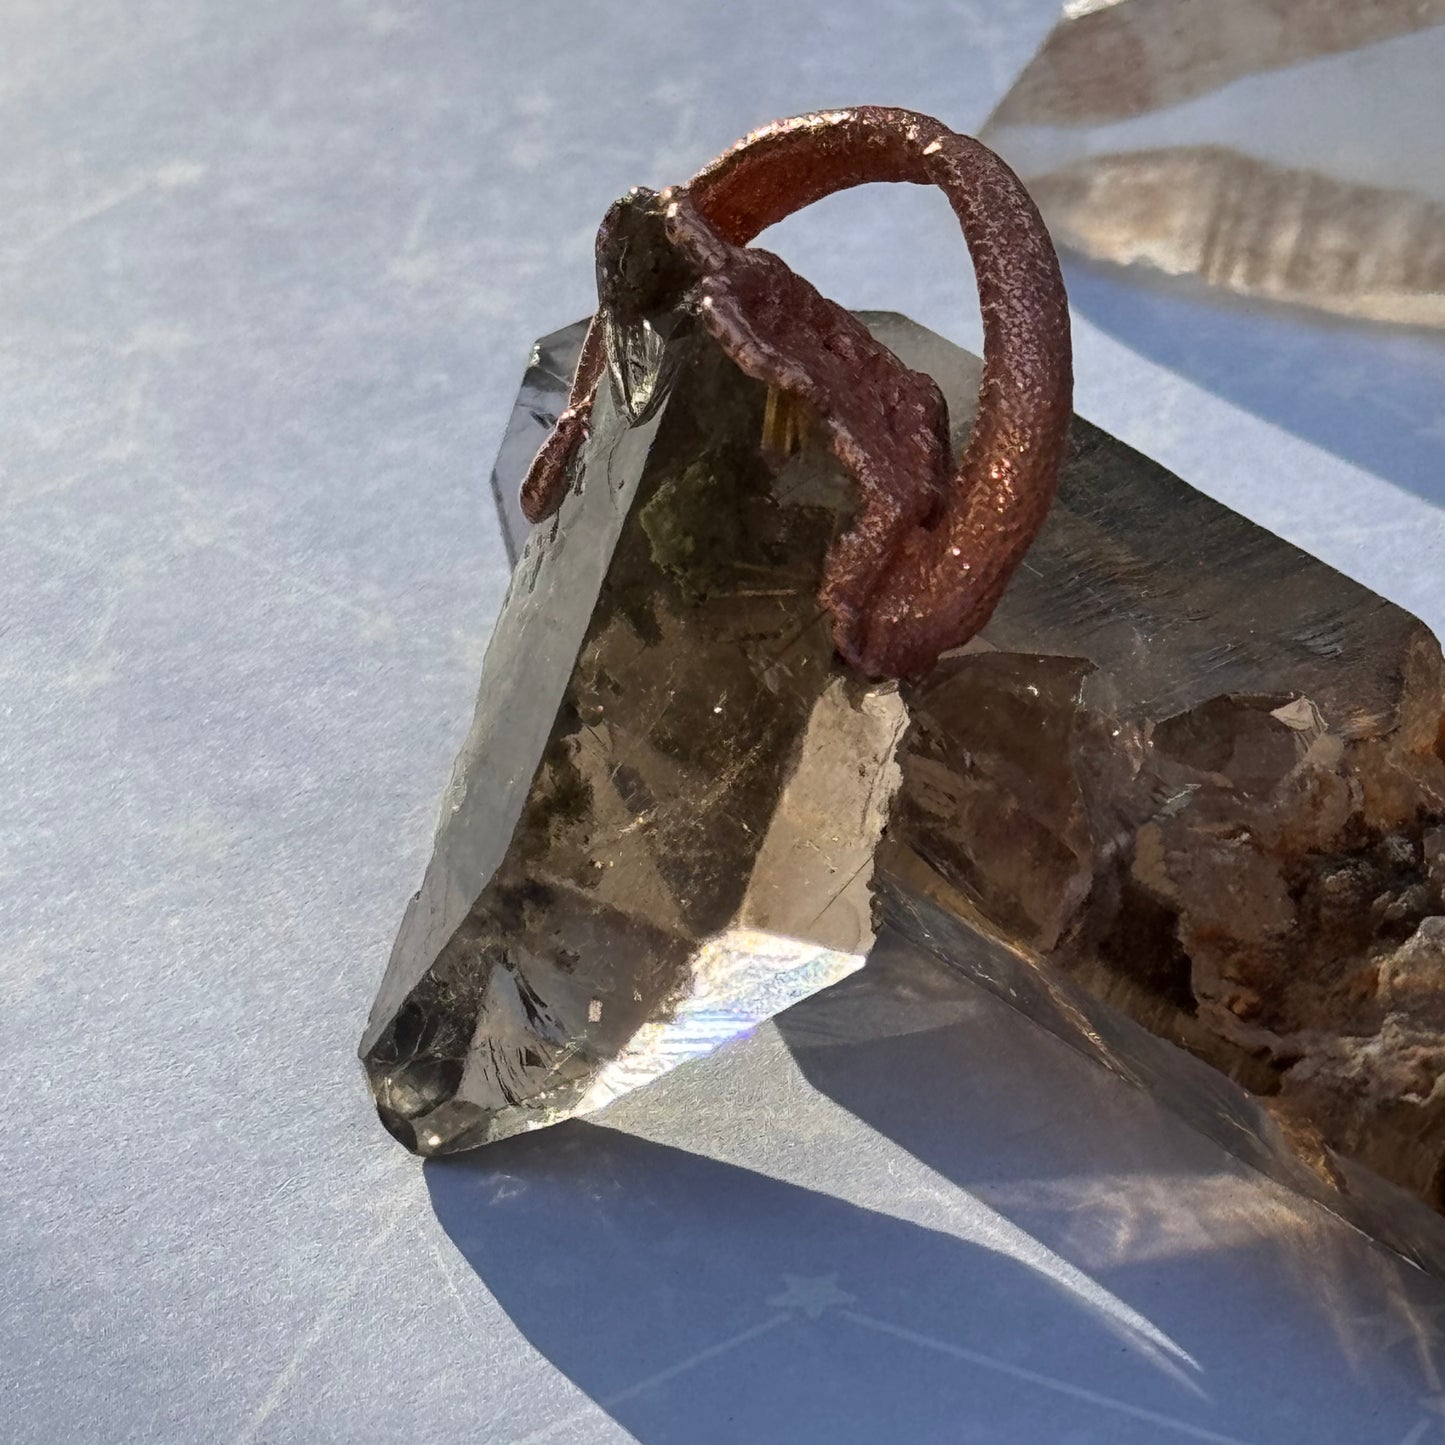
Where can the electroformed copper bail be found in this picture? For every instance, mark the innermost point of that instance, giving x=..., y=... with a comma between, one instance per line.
x=933, y=544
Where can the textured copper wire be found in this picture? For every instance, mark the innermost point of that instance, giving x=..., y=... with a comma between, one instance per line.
x=932, y=545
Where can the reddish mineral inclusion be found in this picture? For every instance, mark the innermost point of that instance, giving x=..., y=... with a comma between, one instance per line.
x=932, y=544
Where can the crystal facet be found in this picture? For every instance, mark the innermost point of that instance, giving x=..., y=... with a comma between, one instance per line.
x=1186, y=788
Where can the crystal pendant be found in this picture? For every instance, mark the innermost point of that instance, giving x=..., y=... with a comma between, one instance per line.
x=1182, y=801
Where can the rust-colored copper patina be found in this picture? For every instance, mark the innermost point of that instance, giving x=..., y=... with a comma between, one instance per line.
x=933, y=544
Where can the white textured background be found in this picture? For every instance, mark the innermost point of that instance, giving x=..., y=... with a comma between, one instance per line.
x=268, y=277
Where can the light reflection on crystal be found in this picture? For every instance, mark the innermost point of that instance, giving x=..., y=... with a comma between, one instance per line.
x=740, y=979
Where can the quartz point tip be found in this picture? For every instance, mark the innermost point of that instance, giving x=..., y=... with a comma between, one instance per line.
x=1182, y=802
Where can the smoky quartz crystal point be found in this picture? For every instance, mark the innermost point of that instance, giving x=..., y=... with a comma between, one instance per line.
x=661, y=829
x=1182, y=801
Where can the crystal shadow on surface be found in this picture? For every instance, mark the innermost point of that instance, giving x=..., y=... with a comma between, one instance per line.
x=1369, y=395
x=1068, y=1258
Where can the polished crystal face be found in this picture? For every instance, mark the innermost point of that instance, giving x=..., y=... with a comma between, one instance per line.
x=1184, y=793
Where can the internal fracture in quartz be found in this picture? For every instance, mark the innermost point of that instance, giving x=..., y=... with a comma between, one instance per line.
x=1185, y=792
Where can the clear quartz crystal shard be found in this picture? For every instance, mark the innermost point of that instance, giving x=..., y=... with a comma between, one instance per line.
x=1271, y=148
x=1182, y=802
